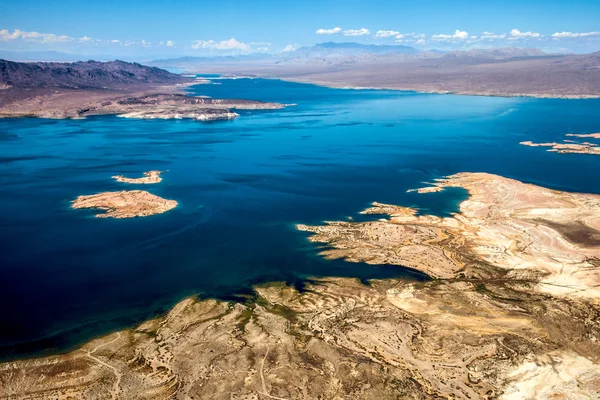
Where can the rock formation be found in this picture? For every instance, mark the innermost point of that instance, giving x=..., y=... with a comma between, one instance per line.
x=125, y=204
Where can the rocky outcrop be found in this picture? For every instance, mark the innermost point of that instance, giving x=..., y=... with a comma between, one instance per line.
x=148, y=178
x=125, y=204
x=176, y=106
x=571, y=146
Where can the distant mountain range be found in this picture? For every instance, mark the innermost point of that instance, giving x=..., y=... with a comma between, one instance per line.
x=333, y=53
x=323, y=53
x=509, y=71
x=49, y=56
x=82, y=75
x=348, y=49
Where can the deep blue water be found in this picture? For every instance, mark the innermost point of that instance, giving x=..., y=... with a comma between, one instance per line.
x=66, y=276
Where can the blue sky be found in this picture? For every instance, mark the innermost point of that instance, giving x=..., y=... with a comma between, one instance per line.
x=151, y=28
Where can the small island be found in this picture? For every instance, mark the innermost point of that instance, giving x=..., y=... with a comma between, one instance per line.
x=125, y=204
x=570, y=146
x=149, y=177
x=585, y=135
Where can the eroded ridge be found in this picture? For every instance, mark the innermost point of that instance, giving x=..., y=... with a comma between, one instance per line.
x=125, y=204
x=339, y=339
x=506, y=229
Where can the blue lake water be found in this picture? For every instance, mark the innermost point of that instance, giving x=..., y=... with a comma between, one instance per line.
x=66, y=276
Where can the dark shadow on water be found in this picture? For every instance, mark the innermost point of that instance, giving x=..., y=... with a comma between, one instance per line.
x=60, y=342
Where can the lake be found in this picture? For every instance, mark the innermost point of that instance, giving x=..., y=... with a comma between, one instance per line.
x=242, y=185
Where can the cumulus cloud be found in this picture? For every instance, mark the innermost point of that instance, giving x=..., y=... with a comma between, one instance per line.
x=230, y=44
x=5, y=35
x=170, y=43
x=85, y=39
x=386, y=34
x=203, y=44
x=458, y=35
x=332, y=31
x=492, y=36
x=357, y=32
x=115, y=41
x=517, y=34
x=290, y=47
x=573, y=35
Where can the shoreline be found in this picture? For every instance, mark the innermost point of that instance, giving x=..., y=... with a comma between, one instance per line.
x=164, y=102
x=487, y=288
x=440, y=92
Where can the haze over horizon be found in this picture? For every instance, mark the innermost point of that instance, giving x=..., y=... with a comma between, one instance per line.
x=112, y=29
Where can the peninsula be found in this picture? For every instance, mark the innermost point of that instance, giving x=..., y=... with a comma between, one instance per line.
x=81, y=89
x=512, y=314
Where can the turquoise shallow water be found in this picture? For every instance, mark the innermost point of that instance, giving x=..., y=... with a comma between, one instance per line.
x=241, y=185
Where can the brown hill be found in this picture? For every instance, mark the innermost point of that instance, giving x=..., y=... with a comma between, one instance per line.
x=82, y=75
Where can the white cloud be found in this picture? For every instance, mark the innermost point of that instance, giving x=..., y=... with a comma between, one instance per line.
x=357, y=32
x=115, y=41
x=492, y=36
x=85, y=39
x=420, y=41
x=418, y=35
x=203, y=44
x=561, y=35
x=517, y=34
x=230, y=44
x=400, y=36
x=261, y=46
x=458, y=35
x=5, y=35
x=290, y=47
x=386, y=34
x=145, y=43
x=170, y=43
x=333, y=31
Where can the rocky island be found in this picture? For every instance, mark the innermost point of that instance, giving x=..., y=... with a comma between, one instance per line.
x=125, y=204
x=585, y=135
x=512, y=313
x=148, y=178
x=81, y=89
x=570, y=146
